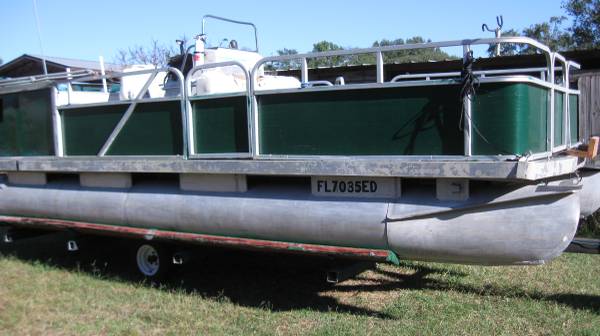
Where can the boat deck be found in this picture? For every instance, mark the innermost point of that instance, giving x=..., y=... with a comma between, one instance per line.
x=480, y=169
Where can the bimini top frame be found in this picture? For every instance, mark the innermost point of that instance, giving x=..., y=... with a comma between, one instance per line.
x=231, y=21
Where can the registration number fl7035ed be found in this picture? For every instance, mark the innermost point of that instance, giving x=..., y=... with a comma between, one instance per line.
x=355, y=186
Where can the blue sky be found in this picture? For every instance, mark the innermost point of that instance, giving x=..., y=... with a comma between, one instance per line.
x=86, y=29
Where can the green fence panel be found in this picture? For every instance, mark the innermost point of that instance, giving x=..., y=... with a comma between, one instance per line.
x=509, y=118
x=26, y=123
x=574, y=117
x=221, y=125
x=154, y=128
x=391, y=121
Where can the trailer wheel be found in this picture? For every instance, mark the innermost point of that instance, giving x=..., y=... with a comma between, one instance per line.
x=152, y=261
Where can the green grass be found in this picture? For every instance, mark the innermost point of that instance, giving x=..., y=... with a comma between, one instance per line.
x=45, y=291
x=590, y=227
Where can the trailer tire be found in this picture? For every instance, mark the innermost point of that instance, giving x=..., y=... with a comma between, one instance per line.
x=153, y=261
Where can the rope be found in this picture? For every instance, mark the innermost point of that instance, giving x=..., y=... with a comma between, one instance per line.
x=469, y=85
x=467, y=78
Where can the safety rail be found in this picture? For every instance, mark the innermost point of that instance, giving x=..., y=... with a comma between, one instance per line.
x=378, y=51
x=185, y=96
x=139, y=98
x=548, y=82
x=192, y=152
x=480, y=73
x=49, y=77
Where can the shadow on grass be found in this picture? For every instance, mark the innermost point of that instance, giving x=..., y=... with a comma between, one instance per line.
x=272, y=281
x=420, y=281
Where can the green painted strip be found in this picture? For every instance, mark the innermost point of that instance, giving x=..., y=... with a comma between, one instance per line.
x=295, y=248
x=393, y=258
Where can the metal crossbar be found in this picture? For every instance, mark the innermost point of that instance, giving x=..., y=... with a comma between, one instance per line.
x=53, y=76
x=153, y=73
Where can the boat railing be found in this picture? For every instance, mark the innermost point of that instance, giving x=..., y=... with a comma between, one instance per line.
x=546, y=80
x=26, y=80
x=540, y=72
x=556, y=64
x=191, y=96
x=379, y=51
x=565, y=90
x=140, y=97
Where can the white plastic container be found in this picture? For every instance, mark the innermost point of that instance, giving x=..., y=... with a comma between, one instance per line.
x=132, y=85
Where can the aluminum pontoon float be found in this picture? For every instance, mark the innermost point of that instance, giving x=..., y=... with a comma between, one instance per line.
x=410, y=167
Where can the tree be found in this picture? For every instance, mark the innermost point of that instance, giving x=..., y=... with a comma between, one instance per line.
x=156, y=54
x=411, y=55
x=585, y=30
x=324, y=46
x=400, y=56
x=292, y=64
x=549, y=33
x=506, y=49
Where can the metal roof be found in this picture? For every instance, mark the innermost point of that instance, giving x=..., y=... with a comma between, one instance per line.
x=82, y=64
x=28, y=64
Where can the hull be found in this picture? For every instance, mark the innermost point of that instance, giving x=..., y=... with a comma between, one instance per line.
x=498, y=225
x=528, y=231
x=590, y=193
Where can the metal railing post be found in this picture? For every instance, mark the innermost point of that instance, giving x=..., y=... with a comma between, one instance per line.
x=304, y=71
x=566, y=117
x=467, y=110
x=551, y=102
x=69, y=87
x=380, y=73
x=57, y=129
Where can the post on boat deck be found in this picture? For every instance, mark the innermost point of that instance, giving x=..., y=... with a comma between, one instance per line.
x=379, y=67
x=69, y=86
x=57, y=131
x=304, y=71
x=467, y=127
x=550, y=57
x=103, y=73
